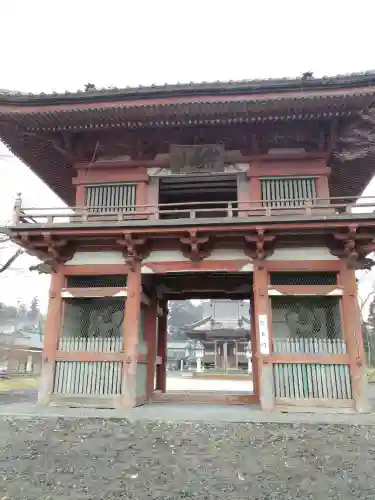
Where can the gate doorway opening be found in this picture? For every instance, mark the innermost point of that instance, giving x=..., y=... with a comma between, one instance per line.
x=206, y=354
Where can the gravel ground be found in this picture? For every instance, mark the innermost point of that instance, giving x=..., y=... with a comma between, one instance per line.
x=113, y=459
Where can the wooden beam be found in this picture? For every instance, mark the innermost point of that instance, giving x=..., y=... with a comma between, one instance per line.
x=317, y=290
x=96, y=270
x=302, y=265
x=299, y=358
x=94, y=292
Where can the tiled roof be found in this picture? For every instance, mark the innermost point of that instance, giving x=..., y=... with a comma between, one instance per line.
x=305, y=81
x=30, y=123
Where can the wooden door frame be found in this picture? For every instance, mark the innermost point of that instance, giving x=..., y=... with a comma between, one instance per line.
x=160, y=395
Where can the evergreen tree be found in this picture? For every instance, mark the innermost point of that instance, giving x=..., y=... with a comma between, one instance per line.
x=7, y=313
x=182, y=313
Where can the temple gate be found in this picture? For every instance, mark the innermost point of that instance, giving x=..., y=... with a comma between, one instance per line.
x=238, y=191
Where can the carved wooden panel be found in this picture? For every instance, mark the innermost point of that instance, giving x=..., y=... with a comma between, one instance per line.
x=197, y=159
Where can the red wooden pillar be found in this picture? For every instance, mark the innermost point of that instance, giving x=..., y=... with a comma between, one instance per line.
x=264, y=371
x=51, y=337
x=161, y=359
x=131, y=336
x=354, y=338
x=153, y=197
x=243, y=194
x=150, y=328
x=253, y=338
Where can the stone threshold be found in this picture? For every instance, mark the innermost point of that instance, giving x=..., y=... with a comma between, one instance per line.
x=208, y=413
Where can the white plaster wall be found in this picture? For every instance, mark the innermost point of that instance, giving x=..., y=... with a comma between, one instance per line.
x=222, y=254
x=165, y=256
x=177, y=256
x=306, y=253
x=95, y=258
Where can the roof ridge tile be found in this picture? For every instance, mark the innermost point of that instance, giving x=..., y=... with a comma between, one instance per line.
x=209, y=85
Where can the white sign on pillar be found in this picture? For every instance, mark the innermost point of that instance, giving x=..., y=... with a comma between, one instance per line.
x=263, y=333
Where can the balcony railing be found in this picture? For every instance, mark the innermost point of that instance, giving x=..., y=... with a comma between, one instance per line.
x=253, y=209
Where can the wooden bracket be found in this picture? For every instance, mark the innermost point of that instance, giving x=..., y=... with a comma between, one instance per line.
x=353, y=247
x=48, y=249
x=259, y=246
x=195, y=247
x=133, y=248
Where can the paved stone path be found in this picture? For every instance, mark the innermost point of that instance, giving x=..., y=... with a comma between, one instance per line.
x=187, y=413
x=18, y=396
x=54, y=458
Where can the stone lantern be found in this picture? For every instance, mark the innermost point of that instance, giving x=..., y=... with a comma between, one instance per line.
x=199, y=354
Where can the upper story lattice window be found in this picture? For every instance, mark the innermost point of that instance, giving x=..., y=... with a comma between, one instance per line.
x=111, y=197
x=287, y=191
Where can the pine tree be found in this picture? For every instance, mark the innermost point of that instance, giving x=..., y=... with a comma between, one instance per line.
x=34, y=311
x=182, y=313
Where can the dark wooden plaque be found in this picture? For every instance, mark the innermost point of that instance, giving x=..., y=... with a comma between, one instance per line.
x=203, y=158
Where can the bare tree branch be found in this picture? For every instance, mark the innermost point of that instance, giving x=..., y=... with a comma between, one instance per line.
x=11, y=259
x=364, y=302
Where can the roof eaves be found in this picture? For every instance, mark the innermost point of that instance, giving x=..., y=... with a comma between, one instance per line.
x=198, y=323
x=191, y=89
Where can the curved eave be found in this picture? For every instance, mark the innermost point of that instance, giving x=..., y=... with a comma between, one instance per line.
x=56, y=171
x=50, y=166
x=229, y=88
x=231, y=333
x=201, y=322
x=200, y=110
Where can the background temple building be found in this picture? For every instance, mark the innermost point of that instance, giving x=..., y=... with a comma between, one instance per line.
x=224, y=333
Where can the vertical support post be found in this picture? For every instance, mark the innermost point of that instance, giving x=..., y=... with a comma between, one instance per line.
x=354, y=339
x=255, y=189
x=153, y=197
x=243, y=194
x=150, y=335
x=322, y=191
x=225, y=349
x=161, y=367
x=131, y=337
x=17, y=209
x=261, y=313
x=51, y=338
x=80, y=195
x=141, y=198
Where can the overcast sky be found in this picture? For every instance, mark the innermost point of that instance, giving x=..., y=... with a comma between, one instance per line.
x=55, y=45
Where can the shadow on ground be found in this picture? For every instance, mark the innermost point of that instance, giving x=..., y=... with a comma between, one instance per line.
x=18, y=396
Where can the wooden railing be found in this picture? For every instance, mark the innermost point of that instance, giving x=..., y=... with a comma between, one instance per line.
x=220, y=209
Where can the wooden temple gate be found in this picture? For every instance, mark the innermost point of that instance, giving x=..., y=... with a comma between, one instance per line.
x=241, y=177
x=106, y=340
